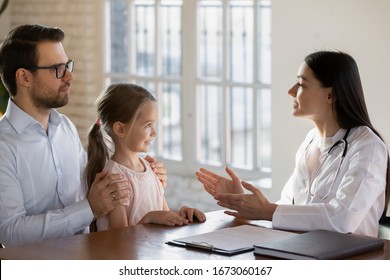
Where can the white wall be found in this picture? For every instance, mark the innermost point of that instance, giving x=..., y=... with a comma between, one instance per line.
x=5, y=22
x=359, y=27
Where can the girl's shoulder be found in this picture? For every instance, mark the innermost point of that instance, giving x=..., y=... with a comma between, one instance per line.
x=112, y=167
x=145, y=163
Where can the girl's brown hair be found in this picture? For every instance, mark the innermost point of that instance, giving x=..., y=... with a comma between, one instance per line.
x=120, y=102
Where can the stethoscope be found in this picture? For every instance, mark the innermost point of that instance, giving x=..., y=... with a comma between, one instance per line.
x=342, y=142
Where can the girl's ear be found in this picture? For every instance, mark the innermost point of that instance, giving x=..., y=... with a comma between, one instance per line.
x=118, y=129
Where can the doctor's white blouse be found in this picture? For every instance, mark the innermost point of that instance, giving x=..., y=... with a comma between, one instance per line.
x=331, y=193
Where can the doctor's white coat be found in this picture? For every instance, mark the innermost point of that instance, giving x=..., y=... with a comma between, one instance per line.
x=346, y=198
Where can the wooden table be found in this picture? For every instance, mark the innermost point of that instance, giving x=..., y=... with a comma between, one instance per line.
x=142, y=242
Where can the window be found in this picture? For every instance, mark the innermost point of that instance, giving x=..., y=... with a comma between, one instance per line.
x=209, y=65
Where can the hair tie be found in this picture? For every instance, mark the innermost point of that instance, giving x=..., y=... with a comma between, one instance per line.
x=98, y=122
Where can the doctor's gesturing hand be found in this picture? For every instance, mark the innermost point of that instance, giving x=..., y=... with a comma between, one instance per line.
x=230, y=194
x=215, y=184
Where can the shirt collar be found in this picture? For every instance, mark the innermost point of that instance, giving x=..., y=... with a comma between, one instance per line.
x=20, y=120
x=332, y=139
x=339, y=135
x=325, y=143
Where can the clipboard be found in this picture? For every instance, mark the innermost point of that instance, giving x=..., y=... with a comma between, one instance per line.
x=231, y=241
x=204, y=246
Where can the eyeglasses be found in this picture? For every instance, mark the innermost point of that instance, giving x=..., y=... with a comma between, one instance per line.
x=60, y=68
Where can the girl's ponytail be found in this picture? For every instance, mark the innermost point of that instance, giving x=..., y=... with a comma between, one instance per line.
x=97, y=153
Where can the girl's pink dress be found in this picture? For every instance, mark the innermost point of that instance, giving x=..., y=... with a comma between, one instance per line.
x=146, y=193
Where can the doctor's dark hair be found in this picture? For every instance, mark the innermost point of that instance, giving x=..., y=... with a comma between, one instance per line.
x=19, y=50
x=119, y=103
x=339, y=71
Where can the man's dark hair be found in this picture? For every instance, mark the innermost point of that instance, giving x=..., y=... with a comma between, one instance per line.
x=19, y=50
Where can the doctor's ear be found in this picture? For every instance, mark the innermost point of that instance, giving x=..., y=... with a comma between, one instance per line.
x=331, y=97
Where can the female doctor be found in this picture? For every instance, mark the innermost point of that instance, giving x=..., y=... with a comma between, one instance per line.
x=341, y=178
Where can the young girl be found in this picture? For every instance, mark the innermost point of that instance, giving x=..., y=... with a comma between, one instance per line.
x=128, y=113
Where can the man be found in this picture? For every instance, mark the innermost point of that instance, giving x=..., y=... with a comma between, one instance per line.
x=42, y=161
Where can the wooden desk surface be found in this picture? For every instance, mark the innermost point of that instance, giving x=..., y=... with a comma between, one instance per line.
x=142, y=242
